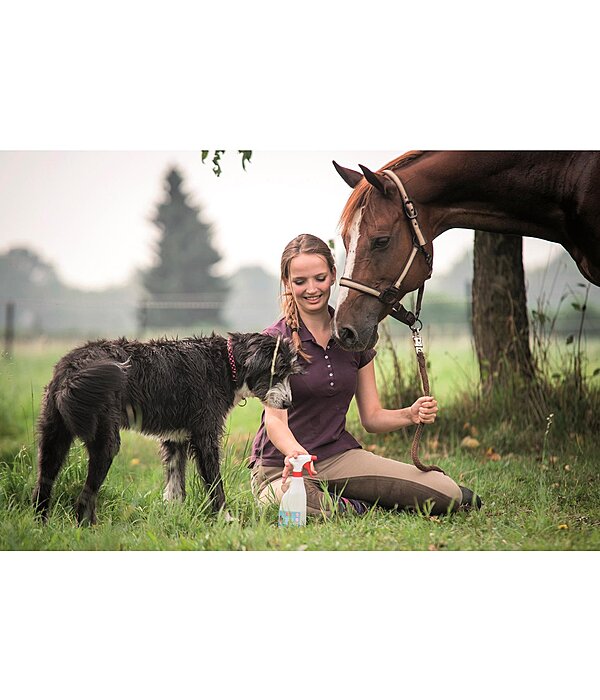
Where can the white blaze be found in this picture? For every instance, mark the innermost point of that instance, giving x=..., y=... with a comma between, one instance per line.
x=350, y=256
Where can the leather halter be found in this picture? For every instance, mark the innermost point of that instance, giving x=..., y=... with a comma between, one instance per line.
x=391, y=295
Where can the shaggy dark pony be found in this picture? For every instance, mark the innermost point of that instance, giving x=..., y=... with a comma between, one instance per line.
x=179, y=391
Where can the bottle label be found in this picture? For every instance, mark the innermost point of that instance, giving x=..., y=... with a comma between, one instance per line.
x=289, y=518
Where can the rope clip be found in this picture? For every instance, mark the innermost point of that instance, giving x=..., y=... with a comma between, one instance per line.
x=417, y=339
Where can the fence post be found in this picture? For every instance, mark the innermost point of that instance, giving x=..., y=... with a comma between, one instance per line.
x=9, y=328
x=142, y=318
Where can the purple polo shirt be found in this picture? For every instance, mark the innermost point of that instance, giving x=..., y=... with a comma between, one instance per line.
x=320, y=399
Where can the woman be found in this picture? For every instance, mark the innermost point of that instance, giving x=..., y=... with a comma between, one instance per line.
x=316, y=422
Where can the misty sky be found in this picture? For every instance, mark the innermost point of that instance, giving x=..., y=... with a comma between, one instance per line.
x=88, y=212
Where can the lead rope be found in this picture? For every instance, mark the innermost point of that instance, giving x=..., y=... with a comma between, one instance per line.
x=418, y=342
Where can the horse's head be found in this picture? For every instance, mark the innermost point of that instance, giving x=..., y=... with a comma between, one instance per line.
x=384, y=255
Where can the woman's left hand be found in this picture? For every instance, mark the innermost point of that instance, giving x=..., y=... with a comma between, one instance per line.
x=424, y=410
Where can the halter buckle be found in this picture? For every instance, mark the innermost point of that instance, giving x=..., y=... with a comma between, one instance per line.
x=409, y=209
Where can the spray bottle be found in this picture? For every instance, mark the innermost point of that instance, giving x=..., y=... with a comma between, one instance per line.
x=292, y=510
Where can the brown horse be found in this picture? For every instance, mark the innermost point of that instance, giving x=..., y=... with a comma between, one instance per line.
x=393, y=215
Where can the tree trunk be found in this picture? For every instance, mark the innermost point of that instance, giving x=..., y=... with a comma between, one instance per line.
x=499, y=316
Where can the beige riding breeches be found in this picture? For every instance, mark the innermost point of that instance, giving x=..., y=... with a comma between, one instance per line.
x=362, y=475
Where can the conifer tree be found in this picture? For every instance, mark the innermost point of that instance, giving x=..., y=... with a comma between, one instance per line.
x=182, y=275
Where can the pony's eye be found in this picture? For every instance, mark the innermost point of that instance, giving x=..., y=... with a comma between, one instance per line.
x=380, y=243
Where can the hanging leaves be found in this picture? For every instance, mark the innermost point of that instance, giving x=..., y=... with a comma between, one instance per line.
x=216, y=160
x=246, y=155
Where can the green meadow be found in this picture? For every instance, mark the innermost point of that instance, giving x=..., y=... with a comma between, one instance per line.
x=538, y=475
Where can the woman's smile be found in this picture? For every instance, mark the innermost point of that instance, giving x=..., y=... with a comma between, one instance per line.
x=312, y=298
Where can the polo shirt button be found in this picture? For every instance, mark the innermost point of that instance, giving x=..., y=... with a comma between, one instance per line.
x=326, y=357
x=331, y=374
x=330, y=383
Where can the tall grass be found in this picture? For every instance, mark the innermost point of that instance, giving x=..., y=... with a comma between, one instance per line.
x=537, y=498
x=561, y=405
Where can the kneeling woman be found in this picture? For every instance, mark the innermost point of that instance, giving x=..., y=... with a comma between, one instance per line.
x=316, y=423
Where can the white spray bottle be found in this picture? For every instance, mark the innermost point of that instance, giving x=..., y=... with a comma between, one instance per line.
x=292, y=509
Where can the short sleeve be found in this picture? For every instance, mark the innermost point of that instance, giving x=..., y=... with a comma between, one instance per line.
x=365, y=357
x=279, y=328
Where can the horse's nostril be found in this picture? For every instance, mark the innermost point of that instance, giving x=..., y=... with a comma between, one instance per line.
x=348, y=336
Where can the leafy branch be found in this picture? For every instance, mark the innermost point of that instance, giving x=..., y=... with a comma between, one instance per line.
x=216, y=159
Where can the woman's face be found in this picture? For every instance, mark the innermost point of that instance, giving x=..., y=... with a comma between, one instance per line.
x=310, y=282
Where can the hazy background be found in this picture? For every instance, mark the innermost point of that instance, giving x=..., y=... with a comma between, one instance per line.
x=87, y=212
x=85, y=219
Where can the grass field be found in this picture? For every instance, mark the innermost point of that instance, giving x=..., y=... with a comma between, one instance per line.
x=544, y=499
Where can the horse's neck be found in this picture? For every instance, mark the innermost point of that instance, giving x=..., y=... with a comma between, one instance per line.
x=504, y=192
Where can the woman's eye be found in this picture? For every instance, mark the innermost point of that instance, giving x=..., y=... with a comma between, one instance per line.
x=380, y=243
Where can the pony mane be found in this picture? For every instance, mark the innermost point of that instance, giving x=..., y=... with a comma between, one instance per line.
x=362, y=192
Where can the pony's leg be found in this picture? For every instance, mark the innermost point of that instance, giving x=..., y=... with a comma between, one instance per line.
x=208, y=458
x=174, y=458
x=101, y=450
x=54, y=442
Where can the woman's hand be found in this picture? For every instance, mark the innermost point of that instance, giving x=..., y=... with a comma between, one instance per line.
x=288, y=469
x=424, y=410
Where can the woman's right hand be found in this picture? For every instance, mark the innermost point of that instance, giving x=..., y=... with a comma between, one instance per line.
x=287, y=468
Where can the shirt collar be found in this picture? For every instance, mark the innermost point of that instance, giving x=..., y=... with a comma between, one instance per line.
x=305, y=334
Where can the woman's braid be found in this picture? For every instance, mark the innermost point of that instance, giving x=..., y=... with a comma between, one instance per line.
x=292, y=320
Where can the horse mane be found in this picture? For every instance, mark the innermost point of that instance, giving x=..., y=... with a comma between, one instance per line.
x=361, y=194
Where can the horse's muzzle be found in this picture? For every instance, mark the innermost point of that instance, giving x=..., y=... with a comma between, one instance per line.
x=349, y=338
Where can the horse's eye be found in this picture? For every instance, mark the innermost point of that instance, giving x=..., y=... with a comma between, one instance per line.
x=380, y=243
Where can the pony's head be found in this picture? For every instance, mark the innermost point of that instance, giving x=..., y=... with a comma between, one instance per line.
x=382, y=254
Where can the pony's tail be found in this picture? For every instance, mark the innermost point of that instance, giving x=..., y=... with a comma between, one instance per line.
x=86, y=393
x=292, y=320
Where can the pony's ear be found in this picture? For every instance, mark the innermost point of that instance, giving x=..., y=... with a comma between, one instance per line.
x=350, y=177
x=378, y=181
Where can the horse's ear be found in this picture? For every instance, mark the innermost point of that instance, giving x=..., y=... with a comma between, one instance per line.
x=377, y=180
x=350, y=177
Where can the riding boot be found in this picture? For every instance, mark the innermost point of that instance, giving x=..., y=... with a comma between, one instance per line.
x=469, y=499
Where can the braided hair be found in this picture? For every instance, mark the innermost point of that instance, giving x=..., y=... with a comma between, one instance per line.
x=304, y=243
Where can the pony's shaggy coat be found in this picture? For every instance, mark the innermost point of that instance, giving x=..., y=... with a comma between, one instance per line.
x=179, y=391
